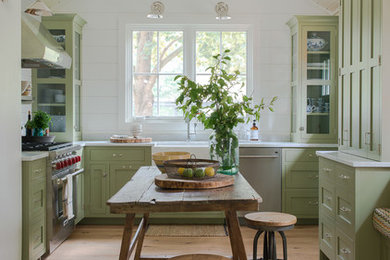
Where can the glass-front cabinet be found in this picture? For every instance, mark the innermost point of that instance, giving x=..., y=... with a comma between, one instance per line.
x=314, y=79
x=57, y=91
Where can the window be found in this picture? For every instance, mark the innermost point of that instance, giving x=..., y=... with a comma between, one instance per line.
x=159, y=55
x=212, y=43
x=157, y=59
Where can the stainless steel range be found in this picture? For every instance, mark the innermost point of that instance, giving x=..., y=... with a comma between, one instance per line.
x=63, y=165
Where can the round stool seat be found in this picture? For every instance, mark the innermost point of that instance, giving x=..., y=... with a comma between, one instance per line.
x=200, y=257
x=270, y=219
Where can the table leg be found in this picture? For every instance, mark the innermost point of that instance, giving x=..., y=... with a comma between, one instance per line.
x=126, y=237
x=141, y=237
x=235, y=236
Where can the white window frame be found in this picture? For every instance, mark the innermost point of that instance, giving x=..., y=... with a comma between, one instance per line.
x=189, y=56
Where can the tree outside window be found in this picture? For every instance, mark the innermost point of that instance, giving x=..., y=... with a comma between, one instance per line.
x=158, y=56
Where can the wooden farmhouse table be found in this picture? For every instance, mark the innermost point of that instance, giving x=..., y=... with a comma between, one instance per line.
x=141, y=195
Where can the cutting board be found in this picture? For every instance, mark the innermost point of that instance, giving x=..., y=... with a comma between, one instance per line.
x=219, y=181
x=131, y=140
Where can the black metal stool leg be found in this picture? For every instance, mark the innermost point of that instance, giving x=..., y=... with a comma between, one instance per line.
x=272, y=246
x=255, y=242
x=284, y=244
x=265, y=246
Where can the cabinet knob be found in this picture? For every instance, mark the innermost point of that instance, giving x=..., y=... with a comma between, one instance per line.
x=130, y=166
x=344, y=177
x=313, y=203
x=329, y=198
x=345, y=209
x=114, y=155
x=327, y=235
x=120, y=155
x=104, y=175
x=326, y=170
x=345, y=250
x=124, y=167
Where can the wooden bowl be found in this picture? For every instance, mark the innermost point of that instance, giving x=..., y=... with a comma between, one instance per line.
x=160, y=158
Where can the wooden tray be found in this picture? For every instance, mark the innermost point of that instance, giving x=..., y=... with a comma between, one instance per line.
x=219, y=181
x=131, y=140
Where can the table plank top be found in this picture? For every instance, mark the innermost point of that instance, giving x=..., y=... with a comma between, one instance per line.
x=141, y=195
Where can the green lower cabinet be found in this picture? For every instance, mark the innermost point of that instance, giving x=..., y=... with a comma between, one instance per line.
x=107, y=169
x=385, y=248
x=80, y=213
x=348, y=197
x=300, y=183
x=97, y=187
x=33, y=209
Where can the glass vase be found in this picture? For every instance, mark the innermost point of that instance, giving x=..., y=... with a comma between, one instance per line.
x=224, y=149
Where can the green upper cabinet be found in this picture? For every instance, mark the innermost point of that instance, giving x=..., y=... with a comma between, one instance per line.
x=314, y=78
x=360, y=78
x=57, y=91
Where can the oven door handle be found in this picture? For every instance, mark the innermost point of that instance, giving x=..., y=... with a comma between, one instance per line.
x=79, y=171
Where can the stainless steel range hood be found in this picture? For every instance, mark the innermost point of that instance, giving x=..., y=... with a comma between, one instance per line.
x=39, y=48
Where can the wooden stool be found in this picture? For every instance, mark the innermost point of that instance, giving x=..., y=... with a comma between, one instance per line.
x=200, y=257
x=270, y=222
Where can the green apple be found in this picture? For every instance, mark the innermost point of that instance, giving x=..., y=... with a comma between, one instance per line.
x=188, y=173
x=199, y=173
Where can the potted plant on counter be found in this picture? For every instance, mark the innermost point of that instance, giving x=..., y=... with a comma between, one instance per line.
x=41, y=123
x=220, y=109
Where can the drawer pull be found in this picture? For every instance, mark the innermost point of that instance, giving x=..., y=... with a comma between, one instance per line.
x=38, y=171
x=130, y=166
x=313, y=203
x=327, y=235
x=329, y=198
x=114, y=155
x=104, y=175
x=310, y=155
x=124, y=167
x=345, y=251
x=120, y=155
x=313, y=177
x=326, y=170
x=345, y=209
x=344, y=177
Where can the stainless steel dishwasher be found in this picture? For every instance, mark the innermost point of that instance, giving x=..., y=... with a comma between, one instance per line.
x=262, y=168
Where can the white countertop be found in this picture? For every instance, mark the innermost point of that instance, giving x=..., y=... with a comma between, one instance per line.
x=32, y=156
x=243, y=144
x=108, y=143
x=351, y=160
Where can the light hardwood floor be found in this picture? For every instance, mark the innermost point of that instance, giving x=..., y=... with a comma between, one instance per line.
x=103, y=243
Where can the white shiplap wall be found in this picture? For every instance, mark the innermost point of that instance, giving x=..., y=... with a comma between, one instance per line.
x=271, y=61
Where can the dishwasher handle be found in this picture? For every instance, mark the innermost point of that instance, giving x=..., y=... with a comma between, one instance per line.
x=259, y=156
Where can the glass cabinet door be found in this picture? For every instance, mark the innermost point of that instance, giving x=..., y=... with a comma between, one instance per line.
x=318, y=55
x=51, y=98
x=318, y=109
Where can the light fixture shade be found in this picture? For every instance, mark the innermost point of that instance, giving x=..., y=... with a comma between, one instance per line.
x=156, y=10
x=39, y=8
x=222, y=11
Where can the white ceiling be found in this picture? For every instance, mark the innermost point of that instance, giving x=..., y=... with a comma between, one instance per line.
x=331, y=6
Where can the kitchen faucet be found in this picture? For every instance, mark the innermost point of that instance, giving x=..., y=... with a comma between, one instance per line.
x=191, y=134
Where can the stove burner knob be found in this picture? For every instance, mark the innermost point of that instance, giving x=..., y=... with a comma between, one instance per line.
x=65, y=163
x=74, y=160
x=78, y=158
x=58, y=165
x=69, y=160
x=61, y=164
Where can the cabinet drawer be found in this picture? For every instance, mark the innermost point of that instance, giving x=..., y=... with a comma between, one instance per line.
x=345, y=213
x=38, y=170
x=301, y=175
x=133, y=154
x=327, y=199
x=37, y=238
x=300, y=155
x=302, y=203
x=327, y=237
x=344, y=247
x=345, y=178
x=327, y=170
x=37, y=199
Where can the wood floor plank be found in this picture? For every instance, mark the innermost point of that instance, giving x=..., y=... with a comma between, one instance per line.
x=103, y=243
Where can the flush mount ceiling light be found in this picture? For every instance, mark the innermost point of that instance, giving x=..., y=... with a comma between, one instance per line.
x=39, y=8
x=156, y=10
x=222, y=11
